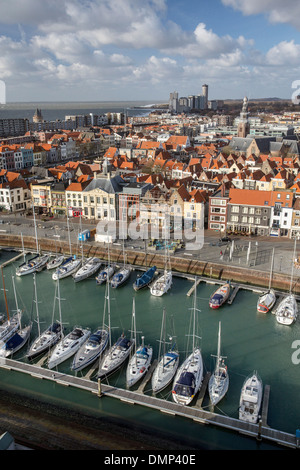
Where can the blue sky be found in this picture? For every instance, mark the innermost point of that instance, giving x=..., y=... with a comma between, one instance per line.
x=85, y=50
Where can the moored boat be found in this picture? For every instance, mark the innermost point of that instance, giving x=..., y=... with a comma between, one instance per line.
x=69, y=267
x=15, y=342
x=220, y=296
x=55, y=262
x=287, y=310
x=189, y=376
x=219, y=380
x=120, y=277
x=88, y=268
x=250, y=399
x=162, y=285
x=35, y=264
x=105, y=274
x=145, y=279
x=138, y=364
x=68, y=346
x=168, y=361
x=266, y=301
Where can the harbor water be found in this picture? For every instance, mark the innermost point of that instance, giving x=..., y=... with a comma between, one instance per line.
x=250, y=341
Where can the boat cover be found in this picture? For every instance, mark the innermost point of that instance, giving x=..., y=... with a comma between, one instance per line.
x=123, y=342
x=14, y=341
x=186, y=384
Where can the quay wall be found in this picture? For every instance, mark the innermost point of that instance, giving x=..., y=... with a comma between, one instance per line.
x=191, y=266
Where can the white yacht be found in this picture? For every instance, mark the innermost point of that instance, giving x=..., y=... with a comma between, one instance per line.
x=55, y=262
x=69, y=267
x=38, y=262
x=162, y=284
x=88, y=268
x=138, y=364
x=117, y=354
x=250, y=399
x=45, y=340
x=105, y=274
x=120, y=277
x=68, y=346
x=267, y=300
x=35, y=264
x=219, y=380
x=287, y=310
x=90, y=350
x=51, y=335
x=168, y=362
x=189, y=376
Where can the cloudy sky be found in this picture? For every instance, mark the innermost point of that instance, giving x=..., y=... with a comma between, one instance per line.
x=99, y=50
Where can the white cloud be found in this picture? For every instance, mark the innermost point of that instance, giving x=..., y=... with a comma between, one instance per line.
x=278, y=11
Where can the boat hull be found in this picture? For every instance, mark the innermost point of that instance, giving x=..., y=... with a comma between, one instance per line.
x=115, y=357
x=287, y=311
x=104, y=275
x=219, y=297
x=138, y=365
x=120, y=278
x=88, y=269
x=45, y=341
x=68, y=346
x=55, y=263
x=250, y=399
x=67, y=269
x=218, y=385
x=16, y=342
x=34, y=265
x=145, y=279
x=165, y=371
x=162, y=285
x=266, y=302
x=188, y=379
x=89, y=352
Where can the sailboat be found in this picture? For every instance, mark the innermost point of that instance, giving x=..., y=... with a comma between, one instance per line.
x=220, y=296
x=118, y=353
x=164, y=282
x=70, y=265
x=19, y=338
x=106, y=273
x=168, y=361
x=35, y=264
x=9, y=327
x=48, y=338
x=250, y=398
x=121, y=276
x=92, y=349
x=88, y=268
x=267, y=300
x=189, y=376
x=139, y=362
x=219, y=380
x=287, y=310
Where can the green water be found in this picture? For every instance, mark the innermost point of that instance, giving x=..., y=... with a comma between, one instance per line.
x=250, y=341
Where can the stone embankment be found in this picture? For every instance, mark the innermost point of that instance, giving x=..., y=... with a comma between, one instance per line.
x=189, y=267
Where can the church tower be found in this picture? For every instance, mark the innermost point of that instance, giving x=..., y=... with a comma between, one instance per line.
x=244, y=126
x=38, y=117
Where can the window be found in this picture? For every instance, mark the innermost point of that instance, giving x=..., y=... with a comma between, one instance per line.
x=235, y=209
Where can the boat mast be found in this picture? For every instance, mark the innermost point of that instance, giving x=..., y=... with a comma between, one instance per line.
x=68, y=225
x=36, y=305
x=6, y=305
x=59, y=308
x=35, y=231
x=16, y=300
x=293, y=260
x=270, y=280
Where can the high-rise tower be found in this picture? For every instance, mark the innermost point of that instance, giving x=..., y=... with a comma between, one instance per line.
x=205, y=95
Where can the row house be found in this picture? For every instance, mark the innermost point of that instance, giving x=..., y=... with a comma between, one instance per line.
x=218, y=211
x=15, y=196
x=100, y=198
x=260, y=212
x=41, y=195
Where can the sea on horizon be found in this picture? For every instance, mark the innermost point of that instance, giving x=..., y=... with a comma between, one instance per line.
x=52, y=111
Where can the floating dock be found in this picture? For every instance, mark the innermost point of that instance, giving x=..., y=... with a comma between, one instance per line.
x=259, y=431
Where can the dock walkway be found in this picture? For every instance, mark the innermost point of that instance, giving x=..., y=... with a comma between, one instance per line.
x=197, y=414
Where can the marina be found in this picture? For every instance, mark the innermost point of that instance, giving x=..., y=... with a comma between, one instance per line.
x=225, y=415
